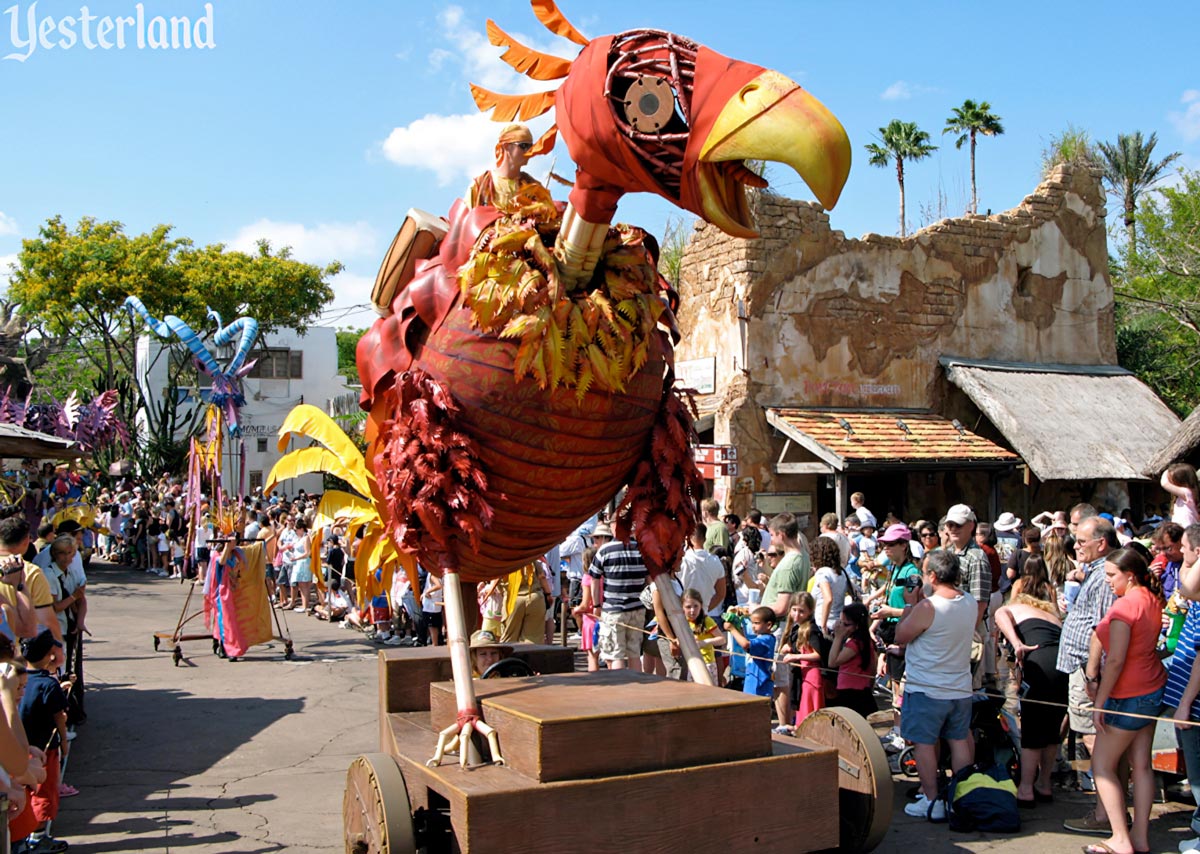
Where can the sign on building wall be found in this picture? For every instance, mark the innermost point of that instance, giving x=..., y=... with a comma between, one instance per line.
x=771, y=503
x=697, y=374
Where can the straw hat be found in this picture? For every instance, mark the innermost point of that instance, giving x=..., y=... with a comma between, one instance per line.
x=483, y=639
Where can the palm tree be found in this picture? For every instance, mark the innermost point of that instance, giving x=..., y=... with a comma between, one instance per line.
x=1129, y=168
x=969, y=120
x=900, y=141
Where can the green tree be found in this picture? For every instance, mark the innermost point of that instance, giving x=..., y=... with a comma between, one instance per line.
x=1129, y=170
x=676, y=232
x=1157, y=286
x=1073, y=145
x=347, y=344
x=900, y=142
x=968, y=121
x=71, y=284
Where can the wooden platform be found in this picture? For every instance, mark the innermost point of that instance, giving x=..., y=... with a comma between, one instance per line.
x=786, y=801
x=579, y=725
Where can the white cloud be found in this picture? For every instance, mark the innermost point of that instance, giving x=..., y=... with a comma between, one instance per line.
x=902, y=90
x=318, y=244
x=457, y=147
x=349, y=289
x=453, y=147
x=1187, y=121
x=8, y=225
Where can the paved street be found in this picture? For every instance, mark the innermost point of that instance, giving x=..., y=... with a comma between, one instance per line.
x=213, y=757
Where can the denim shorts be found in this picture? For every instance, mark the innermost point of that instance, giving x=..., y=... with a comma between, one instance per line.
x=923, y=719
x=1146, y=704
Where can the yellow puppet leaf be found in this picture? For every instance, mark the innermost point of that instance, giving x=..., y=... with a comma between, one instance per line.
x=309, y=422
x=313, y=461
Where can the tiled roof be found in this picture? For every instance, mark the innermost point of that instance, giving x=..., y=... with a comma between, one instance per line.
x=878, y=437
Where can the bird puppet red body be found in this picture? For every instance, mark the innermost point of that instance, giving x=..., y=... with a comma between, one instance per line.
x=525, y=373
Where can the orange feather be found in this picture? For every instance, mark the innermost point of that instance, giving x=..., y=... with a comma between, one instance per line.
x=509, y=107
x=532, y=63
x=545, y=142
x=553, y=20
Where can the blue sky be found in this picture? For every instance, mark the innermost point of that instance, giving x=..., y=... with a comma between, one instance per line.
x=317, y=125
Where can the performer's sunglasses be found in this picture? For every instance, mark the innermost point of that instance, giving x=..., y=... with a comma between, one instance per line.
x=524, y=146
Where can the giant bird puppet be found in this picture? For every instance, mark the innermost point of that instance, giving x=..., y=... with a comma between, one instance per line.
x=524, y=374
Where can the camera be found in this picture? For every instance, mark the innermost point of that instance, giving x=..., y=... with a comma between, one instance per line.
x=913, y=582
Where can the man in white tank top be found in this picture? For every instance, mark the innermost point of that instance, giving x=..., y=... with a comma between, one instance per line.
x=937, y=628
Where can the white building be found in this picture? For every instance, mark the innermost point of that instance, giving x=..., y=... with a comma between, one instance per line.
x=291, y=369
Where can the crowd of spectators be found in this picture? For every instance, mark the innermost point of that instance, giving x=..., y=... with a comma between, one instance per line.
x=920, y=619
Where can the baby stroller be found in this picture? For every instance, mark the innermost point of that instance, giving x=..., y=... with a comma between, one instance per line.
x=997, y=740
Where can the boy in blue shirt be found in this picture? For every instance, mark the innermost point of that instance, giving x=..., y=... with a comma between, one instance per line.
x=760, y=649
x=44, y=716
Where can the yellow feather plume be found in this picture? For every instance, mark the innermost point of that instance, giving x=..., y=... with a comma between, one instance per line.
x=313, y=461
x=308, y=422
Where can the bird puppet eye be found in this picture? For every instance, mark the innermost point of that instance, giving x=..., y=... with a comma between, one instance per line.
x=649, y=104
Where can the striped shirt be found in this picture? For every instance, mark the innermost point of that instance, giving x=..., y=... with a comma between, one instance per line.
x=619, y=565
x=1091, y=604
x=1181, y=663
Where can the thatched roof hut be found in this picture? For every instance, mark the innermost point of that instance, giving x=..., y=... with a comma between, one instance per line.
x=1070, y=422
x=1181, y=446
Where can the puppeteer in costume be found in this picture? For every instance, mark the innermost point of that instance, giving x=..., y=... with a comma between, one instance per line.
x=236, y=609
x=500, y=184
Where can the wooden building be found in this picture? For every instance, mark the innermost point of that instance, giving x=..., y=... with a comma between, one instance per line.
x=972, y=361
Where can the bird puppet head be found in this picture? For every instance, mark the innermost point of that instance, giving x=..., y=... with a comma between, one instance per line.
x=650, y=111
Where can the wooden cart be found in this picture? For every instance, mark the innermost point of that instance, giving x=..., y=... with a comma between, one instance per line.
x=609, y=761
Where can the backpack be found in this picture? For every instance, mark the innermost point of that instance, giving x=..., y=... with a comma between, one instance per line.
x=982, y=798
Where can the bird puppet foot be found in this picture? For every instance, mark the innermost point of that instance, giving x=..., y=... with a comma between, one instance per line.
x=456, y=738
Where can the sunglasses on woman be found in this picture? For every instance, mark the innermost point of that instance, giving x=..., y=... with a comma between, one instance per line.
x=523, y=146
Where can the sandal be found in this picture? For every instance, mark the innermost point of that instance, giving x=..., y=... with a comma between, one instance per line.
x=66, y=790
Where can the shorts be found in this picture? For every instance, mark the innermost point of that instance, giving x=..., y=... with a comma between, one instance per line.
x=44, y=799
x=924, y=719
x=620, y=635
x=1080, y=711
x=433, y=619
x=783, y=672
x=285, y=574
x=302, y=571
x=1145, y=704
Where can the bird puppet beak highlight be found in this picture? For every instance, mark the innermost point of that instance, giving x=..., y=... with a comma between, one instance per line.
x=770, y=118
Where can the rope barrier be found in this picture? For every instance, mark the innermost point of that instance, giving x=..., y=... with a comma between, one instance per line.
x=975, y=693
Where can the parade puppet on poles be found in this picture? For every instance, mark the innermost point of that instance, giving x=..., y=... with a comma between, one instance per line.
x=236, y=607
x=522, y=371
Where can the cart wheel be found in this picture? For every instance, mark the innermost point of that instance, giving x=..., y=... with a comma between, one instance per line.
x=864, y=778
x=177, y=655
x=219, y=649
x=506, y=668
x=156, y=643
x=376, y=815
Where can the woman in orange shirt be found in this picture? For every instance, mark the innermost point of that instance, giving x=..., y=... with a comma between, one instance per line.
x=1127, y=678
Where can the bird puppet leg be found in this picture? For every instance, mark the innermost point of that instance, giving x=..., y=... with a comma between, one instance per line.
x=687, y=641
x=457, y=736
x=578, y=247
